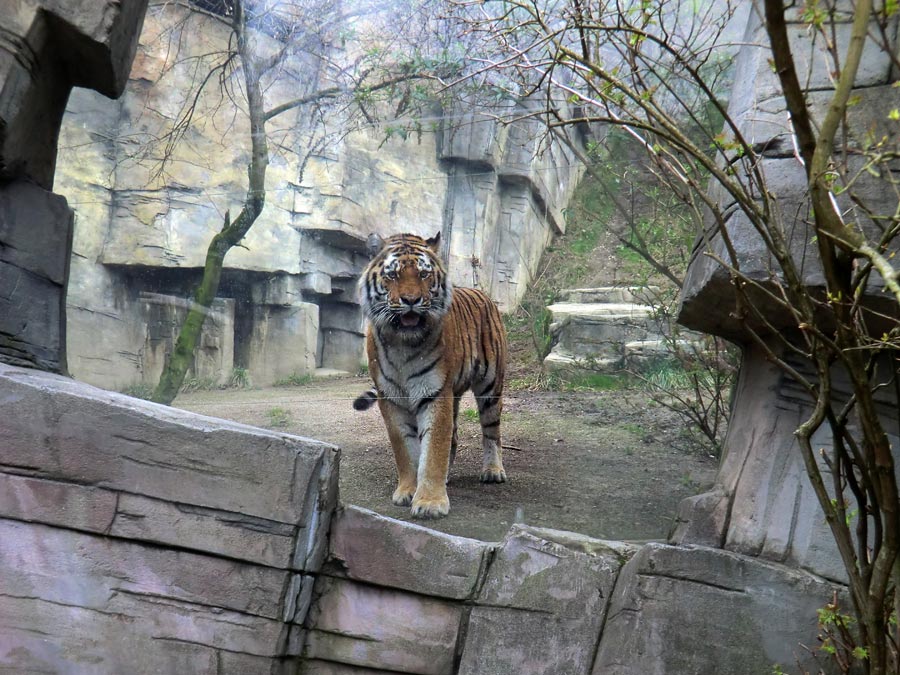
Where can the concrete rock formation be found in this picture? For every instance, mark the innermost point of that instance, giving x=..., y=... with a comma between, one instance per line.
x=139, y=538
x=611, y=329
x=485, y=186
x=46, y=48
x=763, y=503
x=396, y=597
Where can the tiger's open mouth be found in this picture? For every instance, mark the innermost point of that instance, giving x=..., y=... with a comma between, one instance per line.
x=410, y=320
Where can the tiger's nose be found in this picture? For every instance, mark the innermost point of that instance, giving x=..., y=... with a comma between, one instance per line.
x=409, y=299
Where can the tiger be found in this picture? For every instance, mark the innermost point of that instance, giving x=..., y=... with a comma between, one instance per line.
x=427, y=344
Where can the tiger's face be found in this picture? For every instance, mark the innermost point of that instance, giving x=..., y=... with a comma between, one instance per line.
x=404, y=289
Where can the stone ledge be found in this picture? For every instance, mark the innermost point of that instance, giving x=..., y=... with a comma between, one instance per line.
x=369, y=547
x=64, y=430
x=380, y=628
x=704, y=610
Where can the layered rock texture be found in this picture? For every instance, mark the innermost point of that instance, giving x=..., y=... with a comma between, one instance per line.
x=763, y=503
x=395, y=597
x=138, y=538
x=141, y=539
x=611, y=329
x=46, y=48
x=140, y=239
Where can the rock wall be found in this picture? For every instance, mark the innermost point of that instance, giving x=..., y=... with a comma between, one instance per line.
x=763, y=503
x=46, y=48
x=494, y=194
x=139, y=538
x=394, y=597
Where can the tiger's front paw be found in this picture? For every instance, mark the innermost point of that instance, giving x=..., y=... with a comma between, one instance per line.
x=425, y=507
x=493, y=474
x=403, y=495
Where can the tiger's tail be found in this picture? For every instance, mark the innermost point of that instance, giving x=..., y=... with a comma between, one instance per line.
x=365, y=400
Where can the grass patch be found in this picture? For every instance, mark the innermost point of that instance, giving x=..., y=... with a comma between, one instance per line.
x=198, y=384
x=140, y=390
x=295, y=380
x=278, y=417
x=239, y=378
x=470, y=414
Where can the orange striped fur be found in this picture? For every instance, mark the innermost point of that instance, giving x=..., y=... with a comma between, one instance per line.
x=428, y=343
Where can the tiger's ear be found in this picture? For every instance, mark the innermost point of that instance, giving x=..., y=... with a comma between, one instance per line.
x=374, y=244
x=434, y=243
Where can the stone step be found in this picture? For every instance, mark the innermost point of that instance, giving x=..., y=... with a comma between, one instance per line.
x=610, y=294
x=326, y=373
x=609, y=311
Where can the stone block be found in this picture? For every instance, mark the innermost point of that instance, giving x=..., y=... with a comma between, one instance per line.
x=701, y=610
x=562, y=573
x=229, y=534
x=283, y=342
x=542, y=604
x=511, y=642
x=98, y=39
x=381, y=629
x=33, y=276
x=317, y=667
x=279, y=289
x=74, y=568
x=379, y=550
x=79, y=507
x=132, y=634
x=63, y=430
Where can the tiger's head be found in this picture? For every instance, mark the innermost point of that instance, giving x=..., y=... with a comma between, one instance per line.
x=404, y=290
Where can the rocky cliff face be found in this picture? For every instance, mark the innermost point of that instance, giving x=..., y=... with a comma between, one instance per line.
x=141, y=238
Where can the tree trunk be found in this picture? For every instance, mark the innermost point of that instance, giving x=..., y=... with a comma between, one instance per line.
x=183, y=354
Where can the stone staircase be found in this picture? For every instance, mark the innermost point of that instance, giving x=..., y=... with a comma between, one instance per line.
x=607, y=329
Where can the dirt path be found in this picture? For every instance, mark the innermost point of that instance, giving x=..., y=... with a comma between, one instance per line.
x=607, y=464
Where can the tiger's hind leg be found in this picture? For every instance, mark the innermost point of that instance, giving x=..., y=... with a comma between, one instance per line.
x=490, y=406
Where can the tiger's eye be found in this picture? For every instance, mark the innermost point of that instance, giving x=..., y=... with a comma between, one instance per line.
x=391, y=274
x=424, y=274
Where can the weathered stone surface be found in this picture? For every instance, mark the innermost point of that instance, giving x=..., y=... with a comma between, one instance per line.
x=510, y=642
x=543, y=603
x=59, y=429
x=80, y=507
x=71, y=568
x=698, y=610
x=229, y=534
x=33, y=277
x=282, y=342
x=609, y=329
x=369, y=547
x=380, y=628
x=563, y=573
x=708, y=301
x=163, y=316
x=98, y=39
x=762, y=503
x=316, y=667
x=133, y=634
x=495, y=193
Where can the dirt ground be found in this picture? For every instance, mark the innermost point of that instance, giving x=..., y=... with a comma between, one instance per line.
x=608, y=464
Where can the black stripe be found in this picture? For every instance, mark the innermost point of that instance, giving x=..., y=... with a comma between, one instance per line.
x=426, y=368
x=425, y=401
x=495, y=423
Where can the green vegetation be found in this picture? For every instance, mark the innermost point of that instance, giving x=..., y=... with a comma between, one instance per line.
x=278, y=417
x=470, y=414
x=239, y=379
x=295, y=380
x=144, y=391
x=194, y=383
